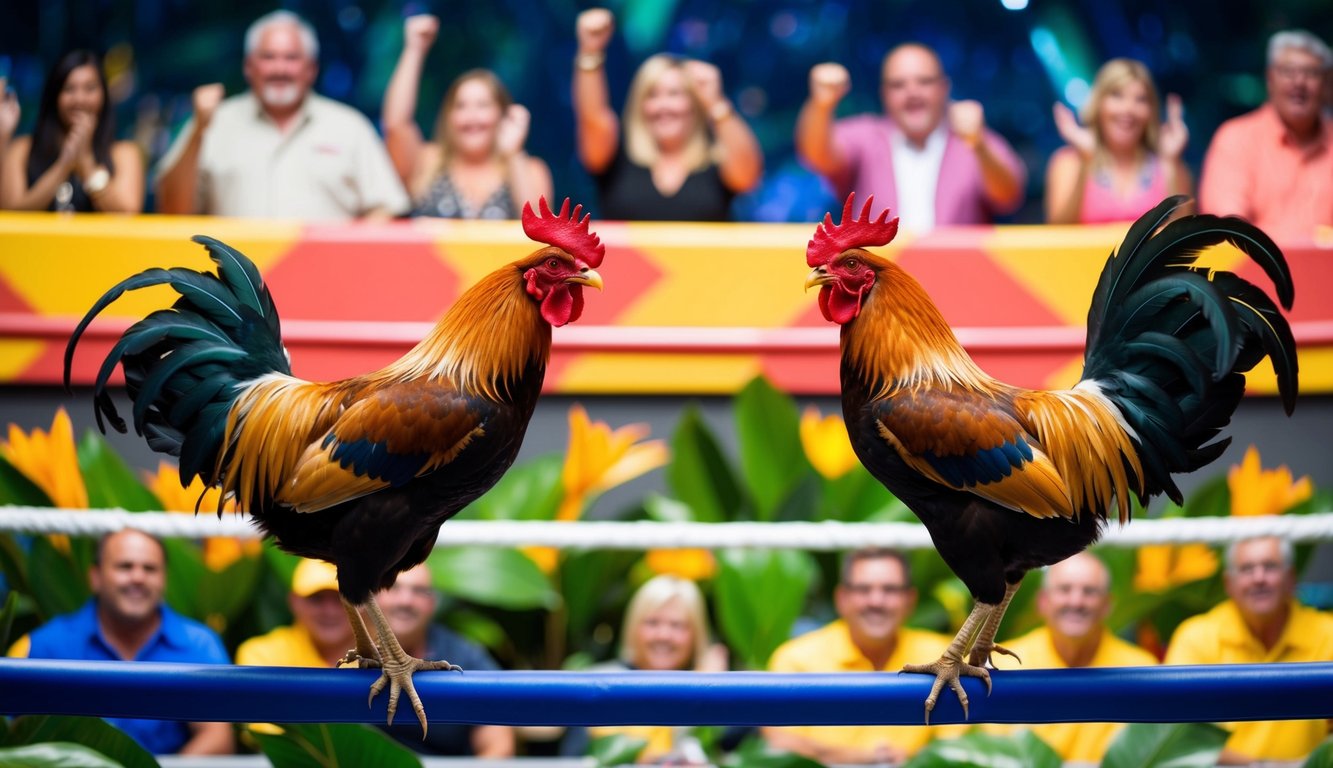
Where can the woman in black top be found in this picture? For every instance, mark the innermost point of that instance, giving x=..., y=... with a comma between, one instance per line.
x=70, y=162
x=685, y=152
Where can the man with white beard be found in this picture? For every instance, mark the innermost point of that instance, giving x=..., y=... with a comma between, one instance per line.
x=1074, y=601
x=278, y=149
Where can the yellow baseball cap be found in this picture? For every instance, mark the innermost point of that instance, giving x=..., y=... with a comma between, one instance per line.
x=313, y=576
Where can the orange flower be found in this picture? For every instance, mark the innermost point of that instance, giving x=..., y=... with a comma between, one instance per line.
x=826, y=443
x=546, y=558
x=692, y=564
x=1164, y=566
x=1259, y=491
x=219, y=551
x=50, y=461
x=600, y=458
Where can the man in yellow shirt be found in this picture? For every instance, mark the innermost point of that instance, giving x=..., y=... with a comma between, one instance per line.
x=1261, y=622
x=320, y=635
x=1074, y=601
x=874, y=598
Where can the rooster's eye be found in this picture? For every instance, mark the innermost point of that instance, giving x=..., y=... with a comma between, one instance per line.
x=553, y=264
x=849, y=264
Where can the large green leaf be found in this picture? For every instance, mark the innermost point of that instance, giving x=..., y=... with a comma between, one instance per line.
x=756, y=753
x=111, y=484
x=616, y=749
x=7, y=617
x=985, y=750
x=185, y=576
x=1165, y=745
x=340, y=745
x=56, y=754
x=592, y=582
x=528, y=491
x=16, y=488
x=64, y=585
x=504, y=578
x=93, y=733
x=1322, y=757
x=13, y=564
x=858, y=497
x=699, y=473
x=773, y=462
x=759, y=595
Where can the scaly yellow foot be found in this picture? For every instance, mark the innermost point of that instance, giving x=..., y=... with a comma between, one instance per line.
x=981, y=654
x=949, y=670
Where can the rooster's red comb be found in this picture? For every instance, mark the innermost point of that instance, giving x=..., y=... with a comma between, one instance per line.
x=565, y=231
x=831, y=240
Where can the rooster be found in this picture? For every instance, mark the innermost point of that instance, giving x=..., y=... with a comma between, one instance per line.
x=1008, y=479
x=360, y=472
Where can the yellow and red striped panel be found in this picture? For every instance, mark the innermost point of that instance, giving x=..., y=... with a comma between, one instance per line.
x=688, y=308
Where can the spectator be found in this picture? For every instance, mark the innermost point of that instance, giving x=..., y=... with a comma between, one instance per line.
x=320, y=634
x=1119, y=163
x=410, y=606
x=1274, y=166
x=71, y=162
x=684, y=153
x=126, y=619
x=278, y=149
x=1074, y=601
x=475, y=168
x=874, y=600
x=930, y=160
x=665, y=629
x=1260, y=622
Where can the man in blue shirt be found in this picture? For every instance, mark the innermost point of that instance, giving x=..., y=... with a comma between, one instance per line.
x=127, y=620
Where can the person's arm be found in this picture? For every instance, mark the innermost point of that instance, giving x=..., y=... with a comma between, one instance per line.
x=742, y=161
x=382, y=195
x=1066, y=178
x=596, y=127
x=1001, y=172
x=16, y=194
x=10, y=112
x=814, y=126
x=402, y=135
x=528, y=177
x=209, y=739
x=177, y=185
x=124, y=193
x=1225, y=183
x=492, y=741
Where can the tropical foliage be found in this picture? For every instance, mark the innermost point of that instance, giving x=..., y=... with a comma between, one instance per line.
x=545, y=608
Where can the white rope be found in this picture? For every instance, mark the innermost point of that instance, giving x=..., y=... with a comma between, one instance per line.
x=644, y=535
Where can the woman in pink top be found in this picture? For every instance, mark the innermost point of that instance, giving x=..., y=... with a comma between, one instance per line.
x=1120, y=162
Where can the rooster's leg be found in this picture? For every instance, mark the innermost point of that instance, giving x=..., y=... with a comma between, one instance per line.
x=364, y=654
x=985, y=645
x=398, y=667
x=951, y=665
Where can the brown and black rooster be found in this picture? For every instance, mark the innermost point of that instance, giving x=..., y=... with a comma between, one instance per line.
x=359, y=472
x=1009, y=479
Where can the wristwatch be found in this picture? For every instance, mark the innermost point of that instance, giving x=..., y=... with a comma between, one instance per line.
x=590, y=62
x=97, y=181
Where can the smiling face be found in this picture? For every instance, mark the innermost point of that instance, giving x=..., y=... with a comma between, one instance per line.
x=875, y=598
x=280, y=70
x=82, y=93
x=555, y=279
x=1295, y=86
x=129, y=577
x=1125, y=110
x=669, y=110
x=1259, y=579
x=664, y=638
x=915, y=90
x=1075, y=597
x=473, y=119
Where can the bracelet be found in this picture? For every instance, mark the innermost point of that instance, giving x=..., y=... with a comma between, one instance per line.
x=720, y=111
x=590, y=62
x=97, y=181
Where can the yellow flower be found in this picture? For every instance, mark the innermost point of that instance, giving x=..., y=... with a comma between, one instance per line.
x=546, y=558
x=826, y=443
x=1163, y=566
x=1259, y=491
x=219, y=551
x=600, y=458
x=692, y=564
x=50, y=461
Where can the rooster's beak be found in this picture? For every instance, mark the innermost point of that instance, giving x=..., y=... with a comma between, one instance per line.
x=817, y=276
x=586, y=276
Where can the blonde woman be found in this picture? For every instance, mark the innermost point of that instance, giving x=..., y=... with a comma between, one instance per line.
x=685, y=152
x=475, y=166
x=1120, y=162
x=665, y=629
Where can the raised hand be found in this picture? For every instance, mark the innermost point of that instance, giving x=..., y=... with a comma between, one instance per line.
x=593, y=29
x=1075, y=135
x=512, y=132
x=77, y=149
x=206, y=99
x=968, y=121
x=706, y=82
x=419, y=31
x=9, y=110
x=1173, y=137
x=829, y=82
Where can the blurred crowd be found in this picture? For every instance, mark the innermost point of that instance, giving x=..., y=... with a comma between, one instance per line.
x=679, y=148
